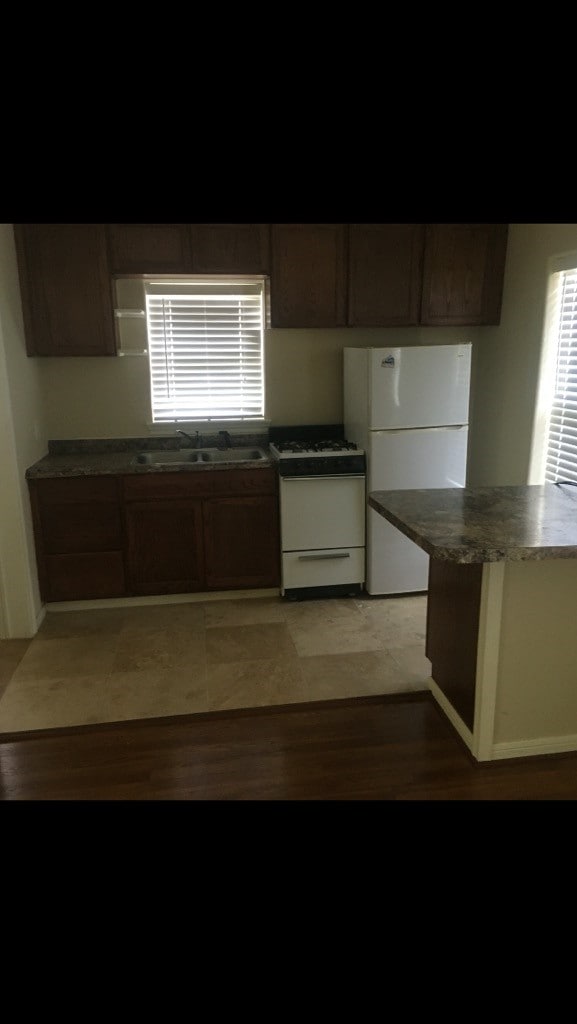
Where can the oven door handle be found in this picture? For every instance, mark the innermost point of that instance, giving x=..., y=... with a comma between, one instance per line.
x=317, y=558
x=325, y=476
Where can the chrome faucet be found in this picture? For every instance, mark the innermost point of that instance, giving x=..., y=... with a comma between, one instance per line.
x=196, y=442
x=226, y=437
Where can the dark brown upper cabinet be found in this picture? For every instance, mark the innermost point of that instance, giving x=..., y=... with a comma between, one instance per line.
x=149, y=248
x=321, y=275
x=66, y=289
x=463, y=274
x=385, y=273
x=308, y=275
x=230, y=248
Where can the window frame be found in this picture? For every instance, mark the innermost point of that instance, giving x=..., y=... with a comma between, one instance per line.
x=558, y=267
x=222, y=284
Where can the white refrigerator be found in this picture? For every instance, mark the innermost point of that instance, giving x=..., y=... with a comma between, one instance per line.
x=408, y=408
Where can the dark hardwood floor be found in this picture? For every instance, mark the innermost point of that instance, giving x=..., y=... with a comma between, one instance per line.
x=379, y=749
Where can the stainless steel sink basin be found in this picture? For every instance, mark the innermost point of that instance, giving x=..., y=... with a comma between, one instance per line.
x=183, y=458
x=195, y=455
x=231, y=454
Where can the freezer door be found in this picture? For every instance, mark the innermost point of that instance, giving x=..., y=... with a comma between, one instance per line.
x=420, y=386
x=399, y=460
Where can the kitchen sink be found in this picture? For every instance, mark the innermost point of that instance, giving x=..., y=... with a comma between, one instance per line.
x=183, y=458
x=199, y=455
x=231, y=454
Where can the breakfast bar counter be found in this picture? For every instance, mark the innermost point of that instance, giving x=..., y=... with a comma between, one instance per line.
x=501, y=611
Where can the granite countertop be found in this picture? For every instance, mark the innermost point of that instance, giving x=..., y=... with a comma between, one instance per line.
x=486, y=524
x=117, y=457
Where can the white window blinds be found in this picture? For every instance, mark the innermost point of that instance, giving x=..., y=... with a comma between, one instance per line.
x=561, y=462
x=205, y=346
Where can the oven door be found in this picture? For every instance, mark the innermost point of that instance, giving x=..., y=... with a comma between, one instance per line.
x=322, y=512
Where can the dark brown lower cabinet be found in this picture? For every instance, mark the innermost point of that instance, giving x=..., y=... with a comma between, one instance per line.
x=453, y=604
x=216, y=530
x=156, y=533
x=79, y=537
x=202, y=531
x=164, y=547
x=241, y=542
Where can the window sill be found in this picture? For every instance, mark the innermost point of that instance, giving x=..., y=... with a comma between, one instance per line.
x=210, y=426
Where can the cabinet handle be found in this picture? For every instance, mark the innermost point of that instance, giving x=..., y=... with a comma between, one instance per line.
x=315, y=558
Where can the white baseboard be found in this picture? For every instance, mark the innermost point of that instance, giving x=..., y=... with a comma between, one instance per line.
x=455, y=720
x=128, y=602
x=530, y=748
x=40, y=617
x=502, y=751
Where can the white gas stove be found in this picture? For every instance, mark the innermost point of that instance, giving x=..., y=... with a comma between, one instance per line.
x=322, y=510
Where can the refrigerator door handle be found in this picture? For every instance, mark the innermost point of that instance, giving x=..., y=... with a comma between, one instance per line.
x=417, y=430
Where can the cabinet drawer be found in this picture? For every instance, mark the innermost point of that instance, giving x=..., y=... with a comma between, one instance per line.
x=84, y=576
x=77, y=514
x=84, y=526
x=157, y=486
x=65, y=490
x=245, y=481
x=323, y=567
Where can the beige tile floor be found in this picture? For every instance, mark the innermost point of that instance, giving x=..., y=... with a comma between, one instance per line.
x=87, y=667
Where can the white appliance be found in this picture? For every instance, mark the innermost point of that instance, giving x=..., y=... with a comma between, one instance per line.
x=408, y=408
x=322, y=495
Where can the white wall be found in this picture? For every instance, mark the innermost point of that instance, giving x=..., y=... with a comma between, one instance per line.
x=304, y=369
x=22, y=442
x=303, y=381
x=508, y=358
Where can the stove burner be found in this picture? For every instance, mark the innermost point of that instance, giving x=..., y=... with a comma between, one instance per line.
x=311, y=447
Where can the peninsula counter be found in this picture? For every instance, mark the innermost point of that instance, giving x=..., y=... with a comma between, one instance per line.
x=501, y=610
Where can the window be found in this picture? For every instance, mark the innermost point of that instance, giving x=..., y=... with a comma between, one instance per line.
x=561, y=453
x=205, y=346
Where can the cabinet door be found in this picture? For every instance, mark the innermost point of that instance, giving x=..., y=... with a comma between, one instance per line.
x=165, y=549
x=308, y=275
x=66, y=289
x=463, y=273
x=230, y=248
x=385, y=274
x=148, y=248
x=241, y=536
